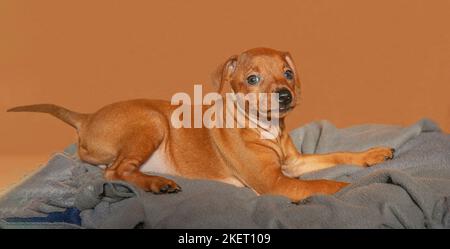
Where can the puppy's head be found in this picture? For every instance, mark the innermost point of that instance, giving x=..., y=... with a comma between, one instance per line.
x=261, y=70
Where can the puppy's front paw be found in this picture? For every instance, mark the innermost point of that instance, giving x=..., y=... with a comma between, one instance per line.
x=376, y=155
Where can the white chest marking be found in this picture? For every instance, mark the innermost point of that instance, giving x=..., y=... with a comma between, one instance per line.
x=158, y=163
x=232, y=181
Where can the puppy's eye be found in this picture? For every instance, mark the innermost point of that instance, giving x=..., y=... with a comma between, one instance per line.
x=253, y=79
x=288, y=74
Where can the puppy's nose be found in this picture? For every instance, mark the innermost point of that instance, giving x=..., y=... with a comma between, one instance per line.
x=284, y=96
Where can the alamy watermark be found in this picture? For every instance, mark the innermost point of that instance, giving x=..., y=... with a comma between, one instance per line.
x=235, y=110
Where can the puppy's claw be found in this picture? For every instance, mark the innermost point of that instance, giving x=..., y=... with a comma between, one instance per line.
x=164, y=188
x=174, y=190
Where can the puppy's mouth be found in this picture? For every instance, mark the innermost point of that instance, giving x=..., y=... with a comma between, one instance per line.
x=284, y=109
x=281, y=110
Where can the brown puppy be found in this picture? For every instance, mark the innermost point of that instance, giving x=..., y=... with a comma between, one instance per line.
x=137, y=135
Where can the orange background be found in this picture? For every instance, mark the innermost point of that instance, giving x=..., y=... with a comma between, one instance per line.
x=360, y=61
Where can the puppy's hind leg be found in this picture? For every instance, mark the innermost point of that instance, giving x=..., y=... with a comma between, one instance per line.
x=128, y=162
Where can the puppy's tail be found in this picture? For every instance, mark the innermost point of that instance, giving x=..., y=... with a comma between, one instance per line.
x=74, y=119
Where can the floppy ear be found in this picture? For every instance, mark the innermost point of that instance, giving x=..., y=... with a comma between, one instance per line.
x=224, y=72
x=290, y=61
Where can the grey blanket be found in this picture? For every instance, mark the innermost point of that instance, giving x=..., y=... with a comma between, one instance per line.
x=410, y=191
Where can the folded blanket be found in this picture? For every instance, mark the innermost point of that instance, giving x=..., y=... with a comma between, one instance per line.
x=411, y=191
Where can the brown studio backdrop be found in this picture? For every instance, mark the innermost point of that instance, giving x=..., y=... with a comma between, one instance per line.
x=359, y=61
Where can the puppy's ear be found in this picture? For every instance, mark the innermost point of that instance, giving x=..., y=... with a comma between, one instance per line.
x=290, y=62
x=224, y=72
